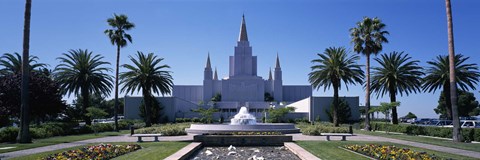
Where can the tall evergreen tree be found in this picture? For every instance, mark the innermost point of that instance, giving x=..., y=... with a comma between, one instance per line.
x=332, y=68
x=397, y=74
x=148, y=75
x=83, y=73
x=24, y=134
x=453, y=87
x=12, y=64
x=118, y=36
x=367, y=38
x=438, y=76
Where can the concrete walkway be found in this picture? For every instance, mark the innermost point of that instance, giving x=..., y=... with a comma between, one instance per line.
x=296, y=137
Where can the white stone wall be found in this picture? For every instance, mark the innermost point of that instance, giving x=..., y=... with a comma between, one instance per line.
x=132, y=104
x=320, y=104
x=293, y=93
x=243, y=89
x=193, y=93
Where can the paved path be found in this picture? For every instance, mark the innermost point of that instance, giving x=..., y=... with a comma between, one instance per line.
x=296, y=137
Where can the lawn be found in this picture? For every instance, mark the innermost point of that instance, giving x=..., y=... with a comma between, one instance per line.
x=329, y=150
x=57, y=140
x=427, y=140
x=150, y=150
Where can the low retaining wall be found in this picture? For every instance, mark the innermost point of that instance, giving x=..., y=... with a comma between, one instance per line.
x=242, y=140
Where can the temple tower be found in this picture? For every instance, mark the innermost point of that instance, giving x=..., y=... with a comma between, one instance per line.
x=207, y=81
x=242, y=63
x=277, y=82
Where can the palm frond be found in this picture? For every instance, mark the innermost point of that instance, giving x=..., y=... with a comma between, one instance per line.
x=146, y=74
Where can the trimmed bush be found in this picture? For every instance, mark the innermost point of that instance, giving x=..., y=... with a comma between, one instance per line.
x=301, y=120
x=8, y=134
x=318, y=128
x=195, y=119
x=165, y=129
x=52, y=129
x=469, y=134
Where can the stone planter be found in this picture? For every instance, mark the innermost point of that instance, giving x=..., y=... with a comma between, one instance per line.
x=242, y=140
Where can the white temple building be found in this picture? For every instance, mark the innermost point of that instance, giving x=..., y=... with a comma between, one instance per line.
x=242, y=87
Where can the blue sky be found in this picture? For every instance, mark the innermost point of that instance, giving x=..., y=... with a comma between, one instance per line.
x=184, y=31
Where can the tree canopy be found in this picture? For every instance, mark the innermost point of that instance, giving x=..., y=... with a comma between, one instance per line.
x=467, y=105
x=45, y=97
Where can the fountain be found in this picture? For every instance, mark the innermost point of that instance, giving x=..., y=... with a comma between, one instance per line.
x=242, y=122
x=243, y=118
x=215, y=137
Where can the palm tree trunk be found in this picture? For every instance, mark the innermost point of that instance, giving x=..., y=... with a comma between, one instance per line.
x=335, y=105
x=448, y=101
x=393, y=98
x=115, y=108
x=24, y=134
x=453, y=85
x=147, y=100
x=85, y=105
x=367, y=95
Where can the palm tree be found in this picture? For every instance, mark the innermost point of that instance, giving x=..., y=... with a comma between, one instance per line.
x=332, y=68
x=453, y=88
x=397, y=74
x=24, y=134
x=82, y=73
x=148, y=75
x=438, y=76
x=367, y=38
x=12, y=64
x=119, y=37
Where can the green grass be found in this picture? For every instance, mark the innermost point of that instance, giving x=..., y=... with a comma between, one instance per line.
x=150, y=150
x=427, y=140
x=329, y=150
x=57, y=140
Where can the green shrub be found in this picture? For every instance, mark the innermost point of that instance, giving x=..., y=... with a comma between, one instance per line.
x=469, y=134
x=165, y=129
x=317, y=129
x=8, y=134
x=195, y=119
x=38, y=133
x=124, y=125
x=179, y=120
x=301, y=120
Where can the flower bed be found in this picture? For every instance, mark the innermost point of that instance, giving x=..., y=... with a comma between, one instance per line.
x=390, y=152
x=97, y=152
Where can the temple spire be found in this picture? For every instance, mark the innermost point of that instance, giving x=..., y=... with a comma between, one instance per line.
x=208, y=62
x=270, y=74
x=243, y=30
x=215, y=76
x=277, y=64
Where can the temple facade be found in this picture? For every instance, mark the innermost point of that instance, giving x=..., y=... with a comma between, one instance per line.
x=242, y=87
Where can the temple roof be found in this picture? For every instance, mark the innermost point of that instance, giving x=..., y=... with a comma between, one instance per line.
x=243, y=30
x=277, y=64
x=208, y=62
x=270, y=74
x=215, y=76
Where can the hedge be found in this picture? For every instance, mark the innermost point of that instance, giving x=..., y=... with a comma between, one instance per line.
x=469, y=134
x=51, y=129
x=176, y=129
x=315, y=130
